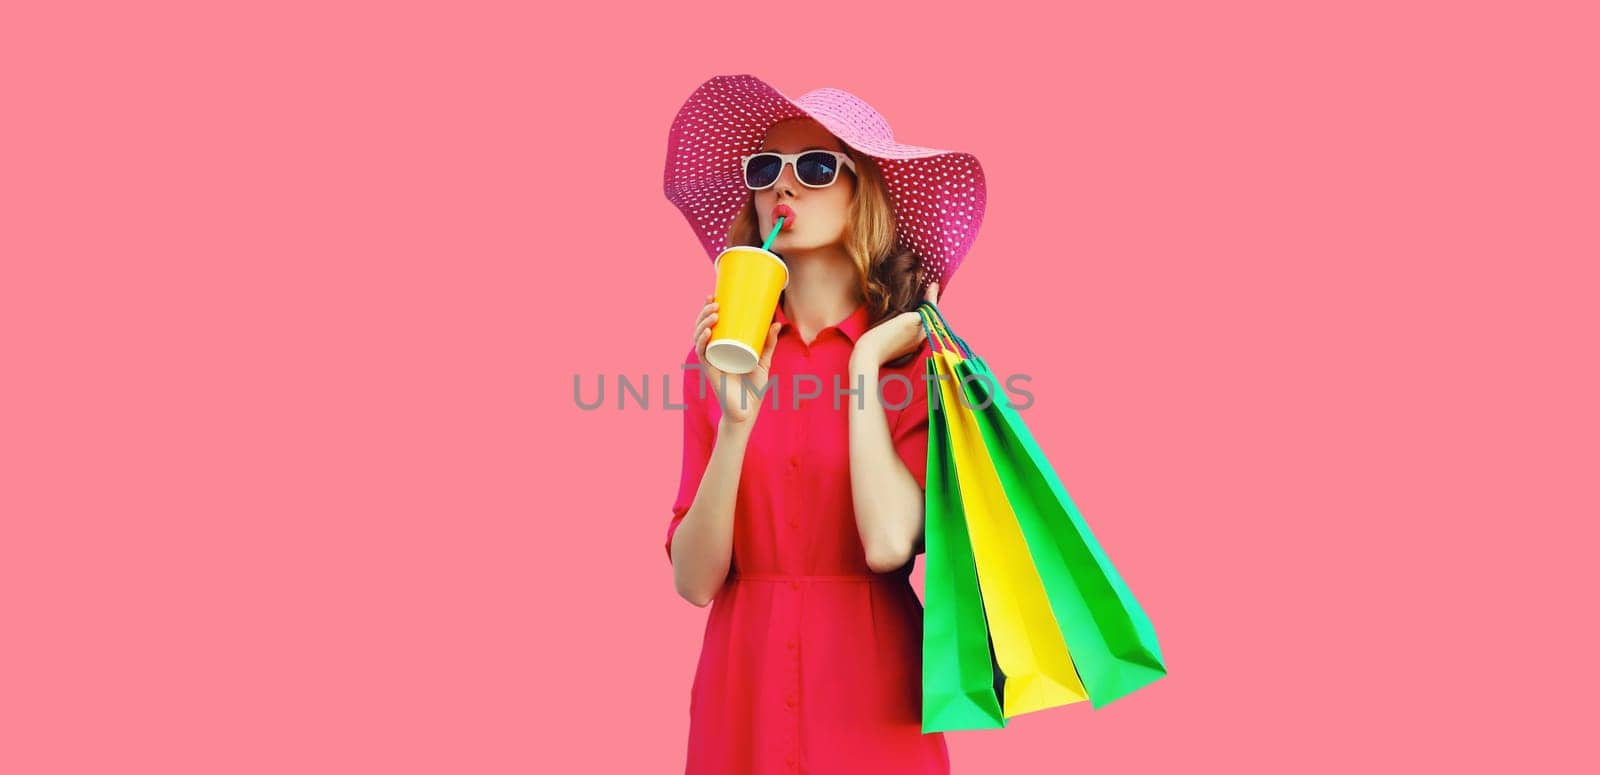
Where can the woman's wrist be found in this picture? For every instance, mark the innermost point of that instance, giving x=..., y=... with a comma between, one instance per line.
x=738, y=428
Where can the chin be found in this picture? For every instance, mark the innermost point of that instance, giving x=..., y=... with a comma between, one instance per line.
x=802, y=241
x=791, y=247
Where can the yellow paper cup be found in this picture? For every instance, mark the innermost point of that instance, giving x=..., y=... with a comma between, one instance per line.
x=749, y=280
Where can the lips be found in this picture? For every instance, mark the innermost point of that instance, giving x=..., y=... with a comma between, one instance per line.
x=784, y=212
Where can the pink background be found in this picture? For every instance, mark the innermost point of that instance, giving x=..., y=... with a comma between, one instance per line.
x=292, y=301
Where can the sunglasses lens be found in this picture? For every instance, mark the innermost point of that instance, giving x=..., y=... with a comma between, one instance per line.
x=762, y=170
x=816, y=169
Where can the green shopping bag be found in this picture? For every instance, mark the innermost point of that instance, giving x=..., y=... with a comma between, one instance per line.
x=1112, y=642
x=1028, y=647
x=958, y=669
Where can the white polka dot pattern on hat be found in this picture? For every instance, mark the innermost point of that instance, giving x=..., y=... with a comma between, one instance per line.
x=938, y=195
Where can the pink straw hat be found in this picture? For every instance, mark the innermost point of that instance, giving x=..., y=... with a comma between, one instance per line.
x=938, y=195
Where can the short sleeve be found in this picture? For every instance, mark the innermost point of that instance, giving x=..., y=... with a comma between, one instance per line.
x=910, y=431
x=698, y=439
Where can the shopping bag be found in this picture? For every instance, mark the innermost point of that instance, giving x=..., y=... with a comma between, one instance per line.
x=958, y=670
x=1027, y=640
x=1112, y=641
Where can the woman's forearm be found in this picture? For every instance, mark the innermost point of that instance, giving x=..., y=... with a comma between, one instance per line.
x=702, y=546
x=888, y=502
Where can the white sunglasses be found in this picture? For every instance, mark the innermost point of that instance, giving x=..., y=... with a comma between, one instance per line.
x=814, y=169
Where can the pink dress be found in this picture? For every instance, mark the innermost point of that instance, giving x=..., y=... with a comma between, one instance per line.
x=811, y=662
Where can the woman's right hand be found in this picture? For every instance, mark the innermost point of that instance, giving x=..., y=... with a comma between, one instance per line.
x=727, y=387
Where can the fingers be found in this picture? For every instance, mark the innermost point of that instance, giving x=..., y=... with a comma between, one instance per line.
x=914, y=320
x=705, y=320
x=700, y=343
x=709, y=308
x=933, y=292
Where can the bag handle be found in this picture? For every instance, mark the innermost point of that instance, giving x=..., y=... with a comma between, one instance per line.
x=935, y=332
x=938, y=322
x=927, y=328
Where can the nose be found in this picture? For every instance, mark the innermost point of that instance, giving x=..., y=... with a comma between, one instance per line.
x=786, y=184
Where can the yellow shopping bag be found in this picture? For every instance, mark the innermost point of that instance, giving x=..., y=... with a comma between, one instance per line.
x=1027, y=642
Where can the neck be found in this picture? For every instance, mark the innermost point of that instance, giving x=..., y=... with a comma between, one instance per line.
x=822, y=291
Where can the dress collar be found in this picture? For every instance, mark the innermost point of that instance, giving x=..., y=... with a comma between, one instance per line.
x=852, y=327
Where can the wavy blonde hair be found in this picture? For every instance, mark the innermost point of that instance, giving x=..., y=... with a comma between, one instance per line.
x=887, y=276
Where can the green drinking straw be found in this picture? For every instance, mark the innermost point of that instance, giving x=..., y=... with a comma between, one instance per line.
x=774, y=235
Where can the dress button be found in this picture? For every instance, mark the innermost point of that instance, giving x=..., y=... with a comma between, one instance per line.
x=792, y=644
x=794, y=585
x=794, y=461
x=789, y=701
x=789, y=760
x=794, y=523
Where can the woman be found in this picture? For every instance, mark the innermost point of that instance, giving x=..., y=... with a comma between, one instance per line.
x=800, y=505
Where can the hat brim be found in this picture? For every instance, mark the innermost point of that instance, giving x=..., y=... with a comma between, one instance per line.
x=938, y=195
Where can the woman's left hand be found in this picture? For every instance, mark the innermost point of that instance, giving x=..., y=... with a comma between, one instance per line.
x=894, y=337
